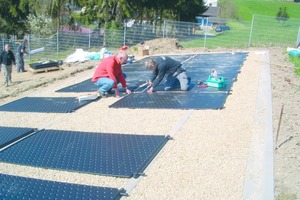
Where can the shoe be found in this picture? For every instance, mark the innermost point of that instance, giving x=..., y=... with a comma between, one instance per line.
x=189, y=80
x=110, y=91
x=101, y=95
x=167, y=88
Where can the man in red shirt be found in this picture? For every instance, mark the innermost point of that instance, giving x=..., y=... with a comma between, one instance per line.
x=109, y=73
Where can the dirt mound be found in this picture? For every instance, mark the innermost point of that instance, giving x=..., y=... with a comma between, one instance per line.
x=157, y=46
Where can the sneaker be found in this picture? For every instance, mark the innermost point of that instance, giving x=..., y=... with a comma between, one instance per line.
x=167, y=88
x=189, y=80
x=110, y=91
x=101, y=95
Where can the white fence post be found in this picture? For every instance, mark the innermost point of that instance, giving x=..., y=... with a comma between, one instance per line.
x=251, y=29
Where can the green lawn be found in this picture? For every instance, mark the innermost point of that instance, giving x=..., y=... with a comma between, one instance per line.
x=266, y=32
x=296, y=61
x=246, y=9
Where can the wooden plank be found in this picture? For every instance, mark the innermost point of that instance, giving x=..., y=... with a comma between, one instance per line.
x=44, y=69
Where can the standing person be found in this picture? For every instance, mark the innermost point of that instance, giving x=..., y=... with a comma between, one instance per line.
x=162, y=66
x=109, y=73
x=7, y=58
x=20, y=56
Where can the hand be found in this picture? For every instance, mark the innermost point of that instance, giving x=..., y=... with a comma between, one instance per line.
x=149, y=83
x=117, y=93
x=128, y=91
x=150, y=91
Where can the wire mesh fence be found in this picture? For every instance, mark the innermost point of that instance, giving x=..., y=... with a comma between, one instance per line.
x=262, y=31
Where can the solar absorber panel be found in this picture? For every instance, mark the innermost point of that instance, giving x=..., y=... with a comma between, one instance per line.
x=84, y=86
x=9, y=135
x=99, y=153
x=44, y=104
x=16, y=187
x=89, y=86
x=173, y=100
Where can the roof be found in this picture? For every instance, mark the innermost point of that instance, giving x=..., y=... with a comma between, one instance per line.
x=211, y=12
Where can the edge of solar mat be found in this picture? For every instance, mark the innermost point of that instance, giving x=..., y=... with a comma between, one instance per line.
x=142, y=169
x=218, y=108
x=84, y=104
x=5, y=145
x=111, y=106
x=118, y=192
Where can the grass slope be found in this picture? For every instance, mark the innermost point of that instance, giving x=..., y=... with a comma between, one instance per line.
x=246, y=8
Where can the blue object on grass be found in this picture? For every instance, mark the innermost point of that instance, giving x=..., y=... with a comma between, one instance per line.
x=222, y=28
x=294, y=53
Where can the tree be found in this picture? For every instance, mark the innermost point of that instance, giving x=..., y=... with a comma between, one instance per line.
x=40, y=25
x=282, y=15
x=227, y=9
x=188, y=10
x=14, y=17
x=56, y=9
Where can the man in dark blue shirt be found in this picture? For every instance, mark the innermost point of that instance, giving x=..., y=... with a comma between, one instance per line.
x=20, y=56
x=162, y=66
x=7, y=58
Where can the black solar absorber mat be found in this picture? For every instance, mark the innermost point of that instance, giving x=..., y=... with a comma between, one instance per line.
x=84, y=86
x=44, y=64
x=15, y=187
x=89, y=86
x=44, y=104
x=118, y=155
x=9, y=135
x=173, y=100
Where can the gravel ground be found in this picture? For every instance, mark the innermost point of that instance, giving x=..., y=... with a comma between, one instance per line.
x=208, y=156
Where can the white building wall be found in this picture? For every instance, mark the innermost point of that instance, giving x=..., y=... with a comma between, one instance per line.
x=213, y=3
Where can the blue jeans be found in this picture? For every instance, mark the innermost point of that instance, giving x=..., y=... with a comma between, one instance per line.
x=104, y=84
x=181, y=81
x=20, y=63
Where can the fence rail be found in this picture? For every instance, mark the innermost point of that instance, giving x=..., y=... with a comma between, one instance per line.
x=262, y=31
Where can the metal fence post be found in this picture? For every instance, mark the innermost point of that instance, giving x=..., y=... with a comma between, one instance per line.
x=3, y=43
x=251, y=29
x=124, y=34
x=89, y=39
x=164, y=29
x=205, y=35
x=57, y=44
x=298, y=38
x=29, y=43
